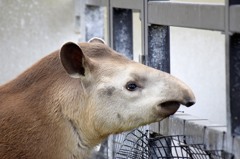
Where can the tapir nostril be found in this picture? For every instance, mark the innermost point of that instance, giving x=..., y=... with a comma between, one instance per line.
x=189, y=103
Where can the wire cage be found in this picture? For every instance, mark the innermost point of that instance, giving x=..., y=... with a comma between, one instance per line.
x=139, y=145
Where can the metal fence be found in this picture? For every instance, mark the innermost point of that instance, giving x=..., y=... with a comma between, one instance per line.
x=156, y=17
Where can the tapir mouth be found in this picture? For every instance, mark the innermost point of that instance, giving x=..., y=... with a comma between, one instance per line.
x=170, y=104
x=169, y=108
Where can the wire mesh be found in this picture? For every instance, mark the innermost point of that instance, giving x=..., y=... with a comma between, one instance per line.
x=135, y=145
x=139, y=145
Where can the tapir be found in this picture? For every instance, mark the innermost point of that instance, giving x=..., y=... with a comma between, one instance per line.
x=74, y=98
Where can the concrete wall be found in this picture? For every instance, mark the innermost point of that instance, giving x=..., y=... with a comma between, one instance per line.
x=30, y=29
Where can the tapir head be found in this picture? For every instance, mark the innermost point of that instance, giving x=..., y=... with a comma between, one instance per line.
x=119, y=94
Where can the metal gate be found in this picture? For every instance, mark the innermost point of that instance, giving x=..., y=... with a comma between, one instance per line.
x=156, y=17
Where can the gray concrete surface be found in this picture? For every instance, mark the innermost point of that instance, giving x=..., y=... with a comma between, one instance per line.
x=30, y=29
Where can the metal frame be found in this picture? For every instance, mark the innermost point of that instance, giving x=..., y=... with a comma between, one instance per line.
x=191, y=15
x=232, y=40
x=234, y=66
x=156, y=16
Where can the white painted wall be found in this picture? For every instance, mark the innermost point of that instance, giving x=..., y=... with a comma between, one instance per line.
x=198, y=58
x=30, y=29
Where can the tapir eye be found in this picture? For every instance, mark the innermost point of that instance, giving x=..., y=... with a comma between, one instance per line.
x=131, y=86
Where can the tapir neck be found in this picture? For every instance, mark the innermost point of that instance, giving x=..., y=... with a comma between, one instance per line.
x=46, y=90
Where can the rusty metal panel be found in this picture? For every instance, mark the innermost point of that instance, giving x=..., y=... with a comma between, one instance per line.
x=191, y=15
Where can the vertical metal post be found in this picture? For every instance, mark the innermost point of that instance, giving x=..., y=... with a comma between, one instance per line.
x=110, y=42
x=122, y=33
x=158, y=54
x=233, y=74
x=234, y=62
x=144, y=23
x=94, y=22
x=157, y=48
x=232, y=41
x=121, y=40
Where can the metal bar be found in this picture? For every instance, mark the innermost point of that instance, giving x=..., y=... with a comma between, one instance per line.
x=158, y=53
x=97, y=2
x=234, y=18
x=121, y=37
x=191, y=15
x=127, y=4
x=228, y=144
x=204, y=9
x=157, y=49
x=235, y=83
x=94, y=22
x=232, y=76
x=144, y=25
x=122, y=31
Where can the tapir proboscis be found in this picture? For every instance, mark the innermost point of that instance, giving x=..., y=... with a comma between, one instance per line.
x=74, y=98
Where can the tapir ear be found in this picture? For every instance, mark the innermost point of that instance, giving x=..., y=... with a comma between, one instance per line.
x=96, y=40
x=73, y=60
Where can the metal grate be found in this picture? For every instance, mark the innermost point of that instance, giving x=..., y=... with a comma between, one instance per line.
x=139, y=145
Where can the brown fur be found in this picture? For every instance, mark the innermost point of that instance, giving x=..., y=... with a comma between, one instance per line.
x=31, y=119
x=40, y=115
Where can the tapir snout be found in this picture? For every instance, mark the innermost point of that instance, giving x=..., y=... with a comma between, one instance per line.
x=176, y=93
